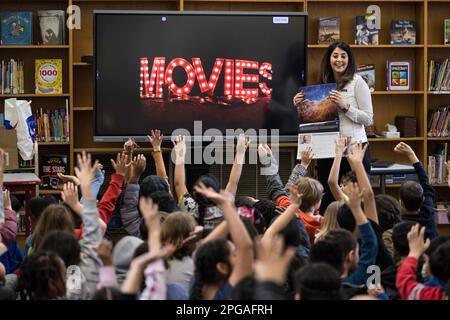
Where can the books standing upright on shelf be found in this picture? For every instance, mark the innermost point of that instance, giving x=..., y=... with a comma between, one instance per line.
x=399, y=75
x=439, y=75
x=16, y=28
x=318, y=121
x=12, y=77
x=52, y=25
x=50, y=166
x=447, y=31
x=364, y=35
x=48, y=76
x=328, y=30
x=367, y=72
x=52, y=125
x=403, y=32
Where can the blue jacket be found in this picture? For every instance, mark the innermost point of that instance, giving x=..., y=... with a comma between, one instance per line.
x=368, y=254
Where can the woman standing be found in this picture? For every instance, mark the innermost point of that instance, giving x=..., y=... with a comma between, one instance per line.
x=352, y=96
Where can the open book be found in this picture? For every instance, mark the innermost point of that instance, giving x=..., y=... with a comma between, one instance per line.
x=318, y=121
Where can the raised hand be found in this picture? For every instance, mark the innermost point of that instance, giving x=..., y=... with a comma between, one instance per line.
x=179, y=148
x=194, y=236
x=120, y=165
x=306, y=157
x=85, y=172
x=69, y=178
x=138, y=166
x=7, y=200
x=69, y=195
x=416, y=241
x=130, y=145
x=155, y=139
x=273, y=261
x=104, y=251
x=220, y=199
x=406, y=150
x=340, y=146
x=298, y=98
x=242, y=144
x=264, y=153
x=356, y=154
x=354, y=195
x=294, y=195
x=149, y=210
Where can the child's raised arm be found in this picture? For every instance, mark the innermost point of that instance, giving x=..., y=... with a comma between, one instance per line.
x=355, y=158
x=179, y=151
x=156, y=139
x=333, y=178
x=236, y=170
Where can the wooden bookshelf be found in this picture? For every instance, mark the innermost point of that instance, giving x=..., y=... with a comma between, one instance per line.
x=437, y=11
x=428, y=14
x=29, y=53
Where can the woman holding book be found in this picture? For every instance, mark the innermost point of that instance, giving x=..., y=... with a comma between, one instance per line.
x=352, y=96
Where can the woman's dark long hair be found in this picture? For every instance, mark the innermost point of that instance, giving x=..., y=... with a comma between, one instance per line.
x=326, y=72
x=207, y=257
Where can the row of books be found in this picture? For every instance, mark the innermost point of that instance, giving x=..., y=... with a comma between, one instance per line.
x=439, y=122
x=16, y=28
x=437, y=168
x=52, y=125
x=12, y=77
x=402, y=31
x=439, y=75
x=48, y=76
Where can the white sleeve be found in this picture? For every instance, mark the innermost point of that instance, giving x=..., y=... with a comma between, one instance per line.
x=362, y=113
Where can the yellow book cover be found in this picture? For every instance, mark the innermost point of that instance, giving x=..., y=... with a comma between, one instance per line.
x=48, y=76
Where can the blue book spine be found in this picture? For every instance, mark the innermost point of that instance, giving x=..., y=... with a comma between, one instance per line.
x=16, y=28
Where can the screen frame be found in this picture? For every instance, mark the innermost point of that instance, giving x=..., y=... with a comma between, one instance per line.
x=120, y=138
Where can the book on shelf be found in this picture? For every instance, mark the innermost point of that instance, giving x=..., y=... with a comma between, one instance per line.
x=48, y=76
x=16, y=28
x=446, y=31
x=12, y=77
x=403, y=32
x=364, y=35
x=439, y=75
x=50, y=166
x=52, y=125
x=437, y=168
x=52, y=26
x=367, y=72
x=328, y=30
x=399, y=75
x=438, y=122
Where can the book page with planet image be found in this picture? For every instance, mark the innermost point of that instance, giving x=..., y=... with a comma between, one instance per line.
x=317, y=113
